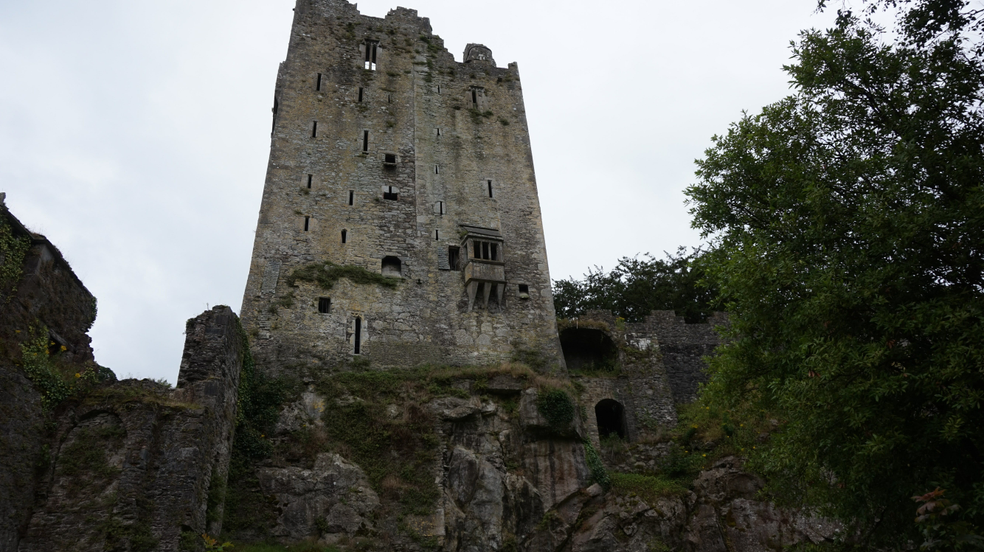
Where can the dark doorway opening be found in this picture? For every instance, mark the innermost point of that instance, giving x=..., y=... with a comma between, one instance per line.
x=588, y=350
x=611, y=418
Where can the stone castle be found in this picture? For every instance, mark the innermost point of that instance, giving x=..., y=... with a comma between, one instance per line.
x=383, y=391
x=389, y=158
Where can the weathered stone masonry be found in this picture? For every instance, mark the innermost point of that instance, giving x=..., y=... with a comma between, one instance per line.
x=389, y=155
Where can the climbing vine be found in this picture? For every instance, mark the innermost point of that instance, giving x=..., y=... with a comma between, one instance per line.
x=13, y=250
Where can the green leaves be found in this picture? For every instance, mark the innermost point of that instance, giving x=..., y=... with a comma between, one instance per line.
x=848, y=243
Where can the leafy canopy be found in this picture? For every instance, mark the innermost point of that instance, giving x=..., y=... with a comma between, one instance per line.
x=636, y=287
x=847, y=225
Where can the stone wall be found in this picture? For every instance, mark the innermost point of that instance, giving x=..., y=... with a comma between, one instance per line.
x=684, y=347
x=135, y=466
x=40, y=298
x=399, y=159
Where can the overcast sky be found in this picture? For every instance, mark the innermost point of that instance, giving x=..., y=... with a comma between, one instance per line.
x=135, y=134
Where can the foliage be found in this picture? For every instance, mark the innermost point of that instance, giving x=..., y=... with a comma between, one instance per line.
x=846, y=224
x=213, y=544
x=40, y=358
x=635, y=288
x=648, y=488
x=599, y=474
x=13, y=251
x=326, y=274
x=557, y=407
x=941, y=532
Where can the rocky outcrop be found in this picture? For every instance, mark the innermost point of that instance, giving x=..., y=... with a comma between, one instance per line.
x=720, y=514
x=135, y=466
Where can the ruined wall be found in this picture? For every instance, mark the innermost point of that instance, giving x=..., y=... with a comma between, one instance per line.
x=385, y=149
x=41, y=299
x=135, y=466
x=684, y=347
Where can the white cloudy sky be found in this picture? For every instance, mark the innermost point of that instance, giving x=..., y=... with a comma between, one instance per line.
x=135, y=134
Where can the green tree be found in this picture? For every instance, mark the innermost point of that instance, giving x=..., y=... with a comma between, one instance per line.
x=636, y=287
x=847, y=227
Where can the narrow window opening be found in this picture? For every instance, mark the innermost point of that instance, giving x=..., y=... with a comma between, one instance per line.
x=485, y=250
x=494, y=254
x=437, y=169
x=318, y=86
x=344, y=235
x=310, y=177
x=454, y=253
x=324, y=305
x=314, y=130
x=365, y=147
x=390, y=193
x=360, y=94
x=307, y=223
x=437, y=234
x=371, y=55
x=440, y=208
x=389, y=98
x=439, y=89
x=351, y=197
x=474, y=97
x=358, y=335
x=437, y=131
x=478, y=250
x=489, y=182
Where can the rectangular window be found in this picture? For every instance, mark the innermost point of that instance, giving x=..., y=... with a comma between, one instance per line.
x=478, y=250
x=489, y=182
x=523, y=288
x=360, y=94
x=314, y=130
x=474, y=97
x=494, y=253
x=358, y=335
x=440, y=208
x=437, y=169
x=307, y=223
x=485, y=250
x=310, y=177
x=390, y=193
x=318, y=85
x=365, y=147
x=351, y=197
x=371, y=55
x=437, y=234
x=324, y=305
x=344, y=235
x=437, y=132
x=453, y=254
x=389, y=158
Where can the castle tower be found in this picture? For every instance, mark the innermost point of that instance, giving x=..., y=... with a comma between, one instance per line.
x=410, y=176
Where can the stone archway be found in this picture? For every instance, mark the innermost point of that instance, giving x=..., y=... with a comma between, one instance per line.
x=610, y=415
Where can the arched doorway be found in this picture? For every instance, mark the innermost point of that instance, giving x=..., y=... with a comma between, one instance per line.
x=611, y=418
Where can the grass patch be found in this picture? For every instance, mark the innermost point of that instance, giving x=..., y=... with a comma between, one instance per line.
x=325, y=275
x=648, y=488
